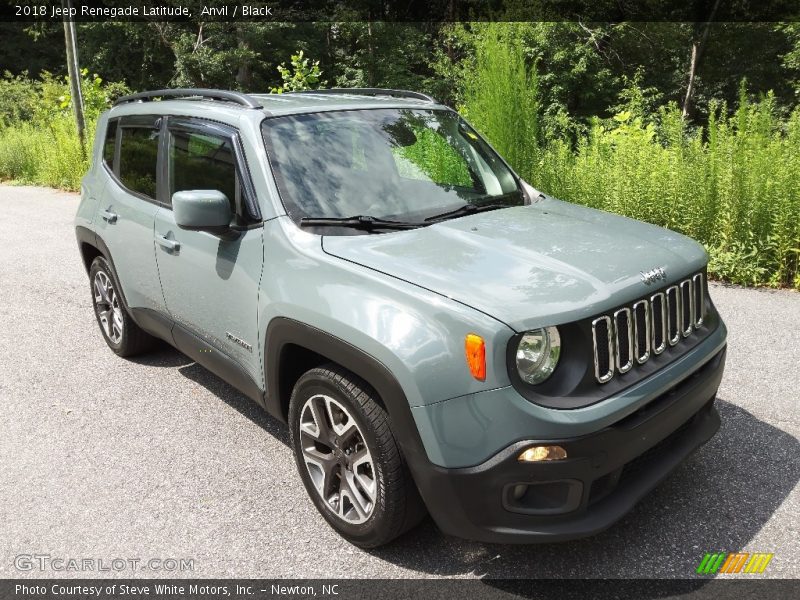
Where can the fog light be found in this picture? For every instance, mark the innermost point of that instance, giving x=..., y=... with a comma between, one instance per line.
x=540, y=453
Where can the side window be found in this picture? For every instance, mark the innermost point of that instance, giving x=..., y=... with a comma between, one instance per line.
x=199, y=161
x=138, y=159
x=110, y=144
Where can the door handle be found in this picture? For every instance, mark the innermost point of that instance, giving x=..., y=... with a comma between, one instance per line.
x=109, y=216
x=167, y=243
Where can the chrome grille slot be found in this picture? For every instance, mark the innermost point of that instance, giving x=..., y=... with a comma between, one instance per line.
x=674, y=316
x=699, y=300
x=634, y=334
x=641, y=331
x=659, y=312
x=603, y=351
x=623, y=339
x=687, y=303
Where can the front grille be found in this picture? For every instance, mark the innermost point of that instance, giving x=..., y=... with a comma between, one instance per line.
x=633, y=334
x=658, y=312
x=674, y=315
x=687, y=302
x=641, y=331
x=699, y=299
x=603, y=349
x=623, y=339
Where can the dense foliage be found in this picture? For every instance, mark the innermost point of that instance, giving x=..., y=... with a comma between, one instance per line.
x=595, y=113
x=38, y=138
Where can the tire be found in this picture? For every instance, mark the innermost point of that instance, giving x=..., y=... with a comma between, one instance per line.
x=119, y=331
x=370, y=497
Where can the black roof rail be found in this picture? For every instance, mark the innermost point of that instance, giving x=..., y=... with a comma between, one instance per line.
x=371, y=92
x=193, y=93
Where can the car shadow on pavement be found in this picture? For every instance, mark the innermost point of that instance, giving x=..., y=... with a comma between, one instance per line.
x=162, y=355
x=718, y=500
x=235, y=399
x=169, y=357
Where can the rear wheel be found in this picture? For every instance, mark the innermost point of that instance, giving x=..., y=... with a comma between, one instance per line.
x=121, y=334
x=348, y=458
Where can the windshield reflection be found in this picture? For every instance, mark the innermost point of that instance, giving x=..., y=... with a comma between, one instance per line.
x=403, y=164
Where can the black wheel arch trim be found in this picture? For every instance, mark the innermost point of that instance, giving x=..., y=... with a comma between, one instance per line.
x=283, y=332
x=87, y=236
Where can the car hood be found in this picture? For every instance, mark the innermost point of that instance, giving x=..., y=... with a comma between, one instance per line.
x=529, y=266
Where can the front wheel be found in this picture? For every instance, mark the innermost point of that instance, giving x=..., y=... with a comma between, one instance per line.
x=348, y=458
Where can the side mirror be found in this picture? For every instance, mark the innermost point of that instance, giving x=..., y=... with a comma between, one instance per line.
x=202, y=209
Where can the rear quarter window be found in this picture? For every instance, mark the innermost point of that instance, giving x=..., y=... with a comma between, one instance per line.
x=110, y=144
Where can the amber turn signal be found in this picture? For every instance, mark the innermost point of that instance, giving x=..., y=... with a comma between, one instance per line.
x=540, y=453
x=475, y=349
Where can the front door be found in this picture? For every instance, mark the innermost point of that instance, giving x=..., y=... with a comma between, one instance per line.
x=210, y=279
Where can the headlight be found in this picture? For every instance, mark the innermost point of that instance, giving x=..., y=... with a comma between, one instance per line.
x=537, y=354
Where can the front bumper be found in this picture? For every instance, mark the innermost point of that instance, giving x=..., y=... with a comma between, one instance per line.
x=604, y=475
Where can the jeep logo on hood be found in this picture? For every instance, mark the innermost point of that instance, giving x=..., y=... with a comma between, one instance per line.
x=652, y=275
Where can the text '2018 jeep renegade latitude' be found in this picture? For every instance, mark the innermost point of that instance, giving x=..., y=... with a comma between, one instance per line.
x=437, y=334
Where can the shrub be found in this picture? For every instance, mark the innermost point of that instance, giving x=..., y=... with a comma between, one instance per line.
x=38, y=137
x=501, y=97
x=733, y=186
x=43, y=154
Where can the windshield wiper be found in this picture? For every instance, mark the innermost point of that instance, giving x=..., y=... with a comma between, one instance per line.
x=359, y=222
x=494, y=203
x=467, y=209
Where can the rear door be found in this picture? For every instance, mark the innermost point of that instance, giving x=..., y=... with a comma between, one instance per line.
x=210, y=279
x=128, y=207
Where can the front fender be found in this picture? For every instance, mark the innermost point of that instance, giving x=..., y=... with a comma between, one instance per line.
x=416, y=334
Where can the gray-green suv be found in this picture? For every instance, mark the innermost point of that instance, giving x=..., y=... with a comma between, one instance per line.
x=438, y=334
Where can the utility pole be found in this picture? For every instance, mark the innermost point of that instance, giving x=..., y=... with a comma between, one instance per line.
x=699, y=41
x=74, y=74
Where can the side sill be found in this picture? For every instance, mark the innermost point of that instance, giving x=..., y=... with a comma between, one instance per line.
x=154, y=323
x=217, y=362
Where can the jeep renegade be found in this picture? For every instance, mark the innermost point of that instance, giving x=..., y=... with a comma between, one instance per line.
x=437, y=334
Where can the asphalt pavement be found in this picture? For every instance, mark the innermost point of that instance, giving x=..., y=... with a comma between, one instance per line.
x=156, y=458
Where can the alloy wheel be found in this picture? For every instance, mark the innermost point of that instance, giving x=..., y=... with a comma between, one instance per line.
x=337, y=458
x=107, y=306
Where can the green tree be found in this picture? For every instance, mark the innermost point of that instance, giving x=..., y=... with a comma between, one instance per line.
x=302, y=76
x=791, y=58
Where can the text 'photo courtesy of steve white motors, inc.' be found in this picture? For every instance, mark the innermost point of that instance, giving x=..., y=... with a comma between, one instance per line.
x=142, y=590
x=216, y=11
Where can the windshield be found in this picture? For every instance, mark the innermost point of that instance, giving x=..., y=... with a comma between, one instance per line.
x=398, y=164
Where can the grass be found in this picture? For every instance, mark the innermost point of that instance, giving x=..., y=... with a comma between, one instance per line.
x=501, y=98
x=47, y=154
